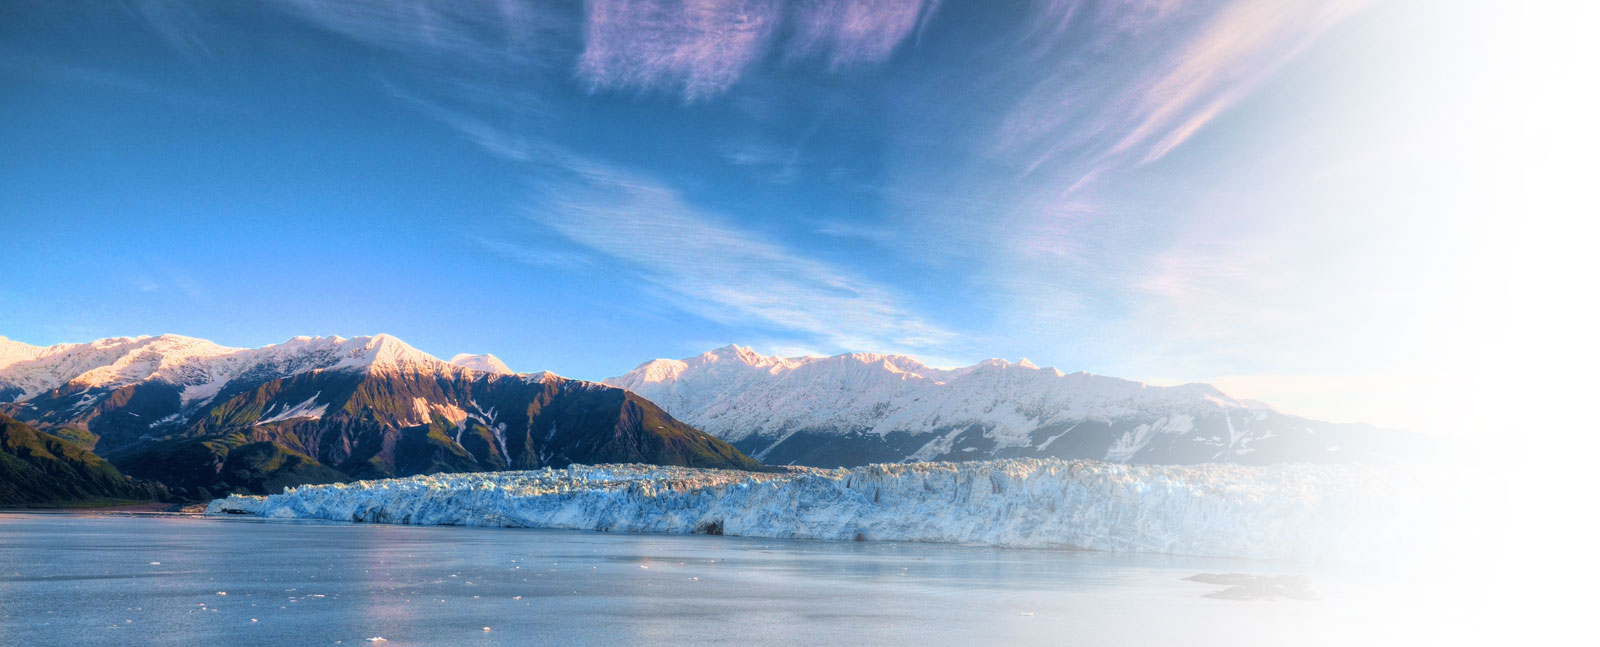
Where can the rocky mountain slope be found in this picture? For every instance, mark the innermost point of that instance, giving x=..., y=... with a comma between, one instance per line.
x=207, y=419
x=861, y=408
x=40, y=469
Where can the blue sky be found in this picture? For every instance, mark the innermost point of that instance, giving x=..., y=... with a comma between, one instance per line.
x=1224, y=191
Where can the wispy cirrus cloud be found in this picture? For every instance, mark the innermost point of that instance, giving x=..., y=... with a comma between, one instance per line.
x=466, y=67
x=179, y=24
x=1151, y=75
x=479, y=67
x=772, y=163
x=500, y=32
x=543, y=256
x=707, y=266
x=1244, y=43
x=846, y=230
x=700, y=48
x=848, y=32
x=697, y=48
x=1063, y=213
x=157, y=275
x=59, y=72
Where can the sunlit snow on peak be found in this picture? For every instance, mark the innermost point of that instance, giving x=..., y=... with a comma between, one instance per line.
x=486, y=363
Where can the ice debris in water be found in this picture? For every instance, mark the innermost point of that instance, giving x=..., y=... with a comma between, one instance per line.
x=1279, y=511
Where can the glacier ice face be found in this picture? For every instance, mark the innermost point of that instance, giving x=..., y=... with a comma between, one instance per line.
x=1286, y=511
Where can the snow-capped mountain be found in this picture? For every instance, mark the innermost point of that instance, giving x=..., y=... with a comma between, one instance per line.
x=199, y=368
x=485, y=362
x=205, y=419
x=859, y=408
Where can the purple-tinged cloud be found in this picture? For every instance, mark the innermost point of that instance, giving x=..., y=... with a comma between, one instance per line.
x=695, y=47
x=848, y=32
x=700, y=48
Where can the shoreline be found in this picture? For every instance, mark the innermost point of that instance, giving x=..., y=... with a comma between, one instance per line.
x=152, y=508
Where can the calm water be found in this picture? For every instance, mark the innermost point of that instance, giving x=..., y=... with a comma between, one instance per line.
x=94, y=579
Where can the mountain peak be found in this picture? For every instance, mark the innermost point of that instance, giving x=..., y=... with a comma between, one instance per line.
x=385, y=351
x=12, y=351
x=660, y=370
x=731, y=350
x=486, y=363
x=735, y=352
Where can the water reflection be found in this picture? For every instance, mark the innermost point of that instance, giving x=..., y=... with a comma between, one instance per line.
x=69, y=579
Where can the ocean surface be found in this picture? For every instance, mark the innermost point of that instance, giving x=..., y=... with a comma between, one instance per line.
x=97, y=579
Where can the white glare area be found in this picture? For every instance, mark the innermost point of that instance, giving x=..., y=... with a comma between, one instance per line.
x=1505, y=369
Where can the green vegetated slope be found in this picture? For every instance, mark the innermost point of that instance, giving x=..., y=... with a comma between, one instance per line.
x=38, y=469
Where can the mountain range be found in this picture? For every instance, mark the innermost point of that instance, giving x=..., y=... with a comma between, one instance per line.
x=204, y=419
x=860, y=408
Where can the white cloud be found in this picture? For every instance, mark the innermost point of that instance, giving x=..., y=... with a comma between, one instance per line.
x=714, y=270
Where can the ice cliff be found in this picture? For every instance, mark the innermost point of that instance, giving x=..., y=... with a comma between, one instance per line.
x=1286, y=511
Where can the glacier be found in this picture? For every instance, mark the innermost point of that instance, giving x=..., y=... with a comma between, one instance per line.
x=1298, y=511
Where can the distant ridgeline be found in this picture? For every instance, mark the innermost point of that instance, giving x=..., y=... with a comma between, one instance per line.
x=206, y=420
x=862, y=408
